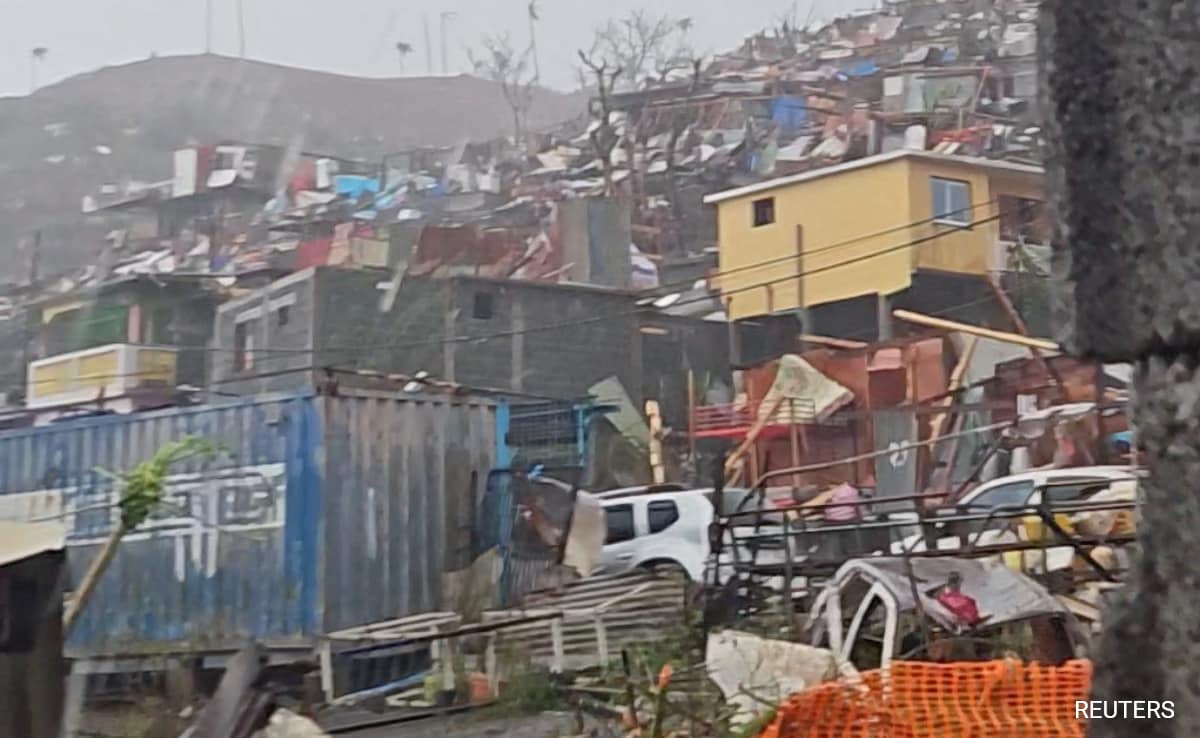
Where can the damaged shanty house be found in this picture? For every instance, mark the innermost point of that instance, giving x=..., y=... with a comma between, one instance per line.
x=954, y=77
x=123, y=344
x=833, y=251
x=527, y=340
x=215, y=213
x=839, y=399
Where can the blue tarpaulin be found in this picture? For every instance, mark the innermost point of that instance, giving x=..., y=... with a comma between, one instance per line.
x=353, y=186
x=789, y=112
x=863, y=68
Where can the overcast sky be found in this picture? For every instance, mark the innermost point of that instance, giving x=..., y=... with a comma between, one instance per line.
x=346, y=36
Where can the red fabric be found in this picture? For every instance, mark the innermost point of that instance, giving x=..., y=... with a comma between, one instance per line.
x=304, y=176
x=314, y=252
x=963, y=607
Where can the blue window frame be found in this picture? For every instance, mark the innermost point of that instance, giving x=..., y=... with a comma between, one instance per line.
x=951, y=200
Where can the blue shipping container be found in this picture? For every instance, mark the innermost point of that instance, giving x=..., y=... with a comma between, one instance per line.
x=322, y=513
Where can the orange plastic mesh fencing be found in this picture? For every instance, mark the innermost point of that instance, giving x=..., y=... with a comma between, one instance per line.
x=990, y=699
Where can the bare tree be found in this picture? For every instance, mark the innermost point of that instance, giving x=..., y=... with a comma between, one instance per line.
x=641, y=42
x=681, y=118
x=403, y=49
x=512, y=70
x=602, y=134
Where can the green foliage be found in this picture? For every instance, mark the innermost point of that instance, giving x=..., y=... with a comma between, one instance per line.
x=755, y=726
x=528, y=693
x=141, y=488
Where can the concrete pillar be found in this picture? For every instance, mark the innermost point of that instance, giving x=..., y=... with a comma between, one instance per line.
x=517, y=345
x=1121, y=92
x=883, y=316
x=449, y=331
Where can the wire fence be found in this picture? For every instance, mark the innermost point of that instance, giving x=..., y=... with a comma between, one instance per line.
x=913, y=699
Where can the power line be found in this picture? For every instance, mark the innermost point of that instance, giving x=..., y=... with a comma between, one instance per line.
x=830, y=247
x=589, y=321
x=366, y=348
x=601, y=318
x=869, y=333
x=501, y=391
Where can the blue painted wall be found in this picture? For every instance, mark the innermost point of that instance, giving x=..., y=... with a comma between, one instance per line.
x=322, y=512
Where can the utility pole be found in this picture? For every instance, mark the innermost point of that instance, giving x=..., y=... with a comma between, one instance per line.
x=533, y=19
x=241, y=30
x=428, y=46
x=208, y=26
x=447, y=15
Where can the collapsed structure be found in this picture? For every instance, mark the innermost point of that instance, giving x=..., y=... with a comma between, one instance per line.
x=818, y=261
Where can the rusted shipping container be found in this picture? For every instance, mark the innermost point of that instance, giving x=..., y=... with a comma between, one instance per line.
x=321, y=513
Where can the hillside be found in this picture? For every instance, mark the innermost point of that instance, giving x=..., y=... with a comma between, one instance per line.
x=121, y=123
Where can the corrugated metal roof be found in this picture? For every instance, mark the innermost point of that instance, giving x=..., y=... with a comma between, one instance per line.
x=21, y=540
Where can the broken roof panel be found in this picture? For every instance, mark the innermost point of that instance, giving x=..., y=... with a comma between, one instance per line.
x=19, y=541
x=1001, y=594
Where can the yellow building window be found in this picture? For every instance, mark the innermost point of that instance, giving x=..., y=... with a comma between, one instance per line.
x=764, y=211
x=951, y=200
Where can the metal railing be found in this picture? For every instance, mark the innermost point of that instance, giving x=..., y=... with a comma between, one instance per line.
x=810, y=547
x=731, y=416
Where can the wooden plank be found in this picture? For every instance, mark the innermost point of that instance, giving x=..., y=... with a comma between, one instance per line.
x=691, y=409
x=751, y=437
x=956, y=378
x=489, y=665
x=840, y=343
x=951, y=325
x=794, y=443
x=556, y=639
x=1019, y=326
x=656, y=447
x=601, y=640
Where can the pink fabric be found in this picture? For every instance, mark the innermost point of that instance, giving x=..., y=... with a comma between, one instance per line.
x=845, y=498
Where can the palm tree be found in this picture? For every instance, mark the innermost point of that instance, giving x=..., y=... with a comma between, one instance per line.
x=403, y=48
x=37, y=56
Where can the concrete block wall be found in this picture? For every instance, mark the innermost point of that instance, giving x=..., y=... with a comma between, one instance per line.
x=354, y=332
x=556, y=340
x=280, y=317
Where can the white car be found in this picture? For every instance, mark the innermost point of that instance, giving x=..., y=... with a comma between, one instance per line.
x=1057, y=486
x=1054, y=485
x=656, y=529
x=661, y=529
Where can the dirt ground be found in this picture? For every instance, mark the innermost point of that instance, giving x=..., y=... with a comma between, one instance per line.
x=545, y=725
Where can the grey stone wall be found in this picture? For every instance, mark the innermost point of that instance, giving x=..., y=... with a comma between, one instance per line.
x=353, y=332
x=280, y=317
x=1122, y=96
x=549, y=340
x=557, y=340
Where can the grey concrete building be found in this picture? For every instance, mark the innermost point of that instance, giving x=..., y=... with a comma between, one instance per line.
x=552, y=340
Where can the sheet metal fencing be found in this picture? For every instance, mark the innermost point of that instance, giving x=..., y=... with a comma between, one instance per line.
x=525, y=516
x=399, y=491
x=321, y=512
x=548, y=433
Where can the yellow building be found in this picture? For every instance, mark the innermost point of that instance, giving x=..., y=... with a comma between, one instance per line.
x=864, y=227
